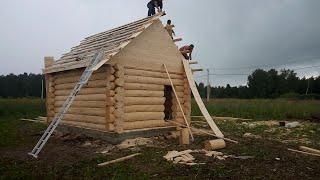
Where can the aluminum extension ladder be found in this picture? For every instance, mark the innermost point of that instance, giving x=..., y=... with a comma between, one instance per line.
x=66, y=105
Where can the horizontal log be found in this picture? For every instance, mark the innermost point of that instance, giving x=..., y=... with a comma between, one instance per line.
x=179, y=88
x=144, y=101
x=86, y=104
x=87, y=97
x=151, y=80
x=153, y=70
x=90, y=84
x=145, y=124
x=77, y=72
x=85, y=125
x=74, y=79
x=134, y=72
x=140, y=86
x=86, y=111
x=144, y=108
x=143, y=93
x=143, y=116
x=84, y=91
x=84, y=118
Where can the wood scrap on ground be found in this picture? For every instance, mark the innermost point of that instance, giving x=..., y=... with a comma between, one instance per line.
x=185, y=157
x=214, y=144
x=118, y=160
x=302, y=152
x=128, y=143
x=38, y=119
x=309, y=150
x=205, y=132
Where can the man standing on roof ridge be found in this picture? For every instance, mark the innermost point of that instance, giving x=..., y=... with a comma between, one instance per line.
x=152, y=5
x=185, y=50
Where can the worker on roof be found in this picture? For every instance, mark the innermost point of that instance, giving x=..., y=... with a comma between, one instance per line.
x=152, y=5
x=186, y=51
x=169, y=27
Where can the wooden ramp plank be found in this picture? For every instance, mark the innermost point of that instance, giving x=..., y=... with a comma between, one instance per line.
x=198, y=99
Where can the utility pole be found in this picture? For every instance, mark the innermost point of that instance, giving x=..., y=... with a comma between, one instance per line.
x=42, y=88
x=208, y=86
x=308, y=86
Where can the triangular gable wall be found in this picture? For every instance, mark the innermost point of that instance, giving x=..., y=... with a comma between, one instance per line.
x=150, y=50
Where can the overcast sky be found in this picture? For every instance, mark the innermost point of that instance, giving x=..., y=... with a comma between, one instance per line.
x=231, y=36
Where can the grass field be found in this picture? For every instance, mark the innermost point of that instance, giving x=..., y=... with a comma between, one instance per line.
x=264, y=109
x=69, y=159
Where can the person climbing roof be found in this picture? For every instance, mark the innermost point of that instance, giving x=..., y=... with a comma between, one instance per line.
x=186, y=51
x=169, y=27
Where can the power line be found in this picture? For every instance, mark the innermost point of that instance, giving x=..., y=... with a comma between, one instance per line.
x=261, y=66
x=243, y=74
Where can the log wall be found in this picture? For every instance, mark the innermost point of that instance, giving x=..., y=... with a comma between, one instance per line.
x=118, y=98
x=144, y=97
x=89, y=110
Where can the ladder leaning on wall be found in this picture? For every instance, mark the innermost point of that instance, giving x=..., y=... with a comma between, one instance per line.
x=66, y=105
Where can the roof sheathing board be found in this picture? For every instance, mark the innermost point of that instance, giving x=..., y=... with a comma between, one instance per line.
x=111, y=41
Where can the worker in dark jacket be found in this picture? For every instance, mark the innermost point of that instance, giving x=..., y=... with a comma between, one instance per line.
x=186, y=51
x=159, y=5
x=152, y=5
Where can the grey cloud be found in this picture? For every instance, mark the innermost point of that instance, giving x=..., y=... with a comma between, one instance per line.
x=227, y=34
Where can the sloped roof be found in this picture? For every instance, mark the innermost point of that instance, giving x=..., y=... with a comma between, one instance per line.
x=111, y=41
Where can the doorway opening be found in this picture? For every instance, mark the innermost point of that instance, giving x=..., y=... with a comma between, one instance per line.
x=168, y=94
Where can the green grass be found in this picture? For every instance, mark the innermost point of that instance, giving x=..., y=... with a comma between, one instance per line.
x=261, y=108
x=21, y=108
x=11, y=129
x=16, y=137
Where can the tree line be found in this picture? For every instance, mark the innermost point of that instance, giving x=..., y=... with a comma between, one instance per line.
x=22, y=85
x=269, y=84
x=260, y=84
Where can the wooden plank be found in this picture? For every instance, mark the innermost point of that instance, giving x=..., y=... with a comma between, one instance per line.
x=196, y=70
x=177, y=40
x=198, y=99
x=302, y=152
x=118, y=160
x=193, y=62
x=310, y=150
x=177, y=98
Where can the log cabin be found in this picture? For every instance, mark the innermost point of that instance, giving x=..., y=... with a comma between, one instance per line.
x=130, y=92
